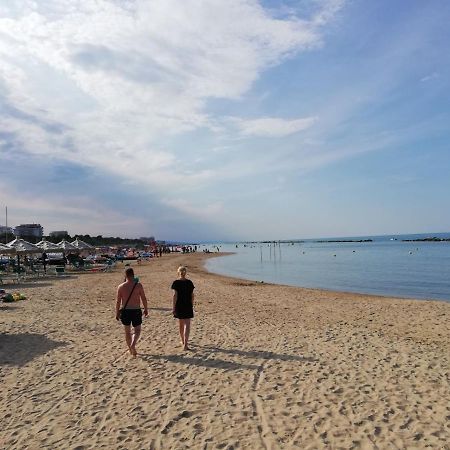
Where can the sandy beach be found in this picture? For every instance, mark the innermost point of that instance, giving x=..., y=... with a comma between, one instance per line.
x=271, y=367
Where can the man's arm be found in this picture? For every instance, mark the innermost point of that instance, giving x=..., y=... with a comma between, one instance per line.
x=144, y=301
x=118, y=302
x=192, y=298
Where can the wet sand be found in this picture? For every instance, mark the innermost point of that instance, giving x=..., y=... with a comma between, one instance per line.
x=271, y=367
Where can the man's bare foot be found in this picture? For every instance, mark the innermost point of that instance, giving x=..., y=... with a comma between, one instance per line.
x=186, y=348
x=133, y=351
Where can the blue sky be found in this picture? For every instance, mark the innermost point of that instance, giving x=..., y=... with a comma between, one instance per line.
x=226, y=119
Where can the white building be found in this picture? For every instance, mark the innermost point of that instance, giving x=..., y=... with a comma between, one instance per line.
x=29, y=230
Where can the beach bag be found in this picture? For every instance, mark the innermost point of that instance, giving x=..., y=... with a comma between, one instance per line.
x=8, y=298
x=126, y=303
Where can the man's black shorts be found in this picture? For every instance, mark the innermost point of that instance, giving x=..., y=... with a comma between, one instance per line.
x=131, y=316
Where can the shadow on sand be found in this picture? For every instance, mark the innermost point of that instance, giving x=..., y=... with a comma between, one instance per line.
x=217, y=363
x=8, y=307
x=19, y=349
x=44, y=281
x=201, y=362
x=29, y=284
x=254, y=354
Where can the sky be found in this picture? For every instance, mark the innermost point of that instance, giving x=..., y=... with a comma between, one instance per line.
x=225, y=119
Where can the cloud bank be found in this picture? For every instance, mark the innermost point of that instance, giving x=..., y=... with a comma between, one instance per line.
x=108, y=84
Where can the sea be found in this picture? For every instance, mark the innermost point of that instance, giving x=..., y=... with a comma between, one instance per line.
x=386, y=266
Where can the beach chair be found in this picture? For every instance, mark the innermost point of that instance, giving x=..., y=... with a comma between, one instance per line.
x=9, y=278
x=31, y=273
x=87, y=266
x=109, y=266
x=60, y=271
x=41, y=272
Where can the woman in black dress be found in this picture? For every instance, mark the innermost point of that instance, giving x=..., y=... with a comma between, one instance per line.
x=183, y=304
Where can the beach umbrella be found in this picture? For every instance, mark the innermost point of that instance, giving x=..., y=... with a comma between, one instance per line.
x=66, y=246
x=5, y=250
x=23, y=247
x=81, y=245
x=49, y=247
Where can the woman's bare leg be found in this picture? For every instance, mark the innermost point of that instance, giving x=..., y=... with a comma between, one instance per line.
x=187, y=330
x=181, y=329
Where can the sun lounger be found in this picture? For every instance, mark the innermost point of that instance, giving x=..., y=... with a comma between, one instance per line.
x=33, y=273
x=109, y=266
x=9, y=278
x=60, y=271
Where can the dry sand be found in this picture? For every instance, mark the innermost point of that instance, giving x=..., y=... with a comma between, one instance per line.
x=271, y=367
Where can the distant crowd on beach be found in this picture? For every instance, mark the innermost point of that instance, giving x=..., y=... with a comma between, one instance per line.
x=189, y=248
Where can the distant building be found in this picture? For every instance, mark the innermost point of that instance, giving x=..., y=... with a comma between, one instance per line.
x=29, y=230
x=4, y=230
x=57, y=234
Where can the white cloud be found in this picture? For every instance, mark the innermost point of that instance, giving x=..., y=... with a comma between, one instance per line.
x=104, y=82
x=273, y=126
x=431, y=76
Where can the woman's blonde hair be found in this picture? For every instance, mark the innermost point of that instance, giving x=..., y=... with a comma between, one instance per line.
x=181, y=269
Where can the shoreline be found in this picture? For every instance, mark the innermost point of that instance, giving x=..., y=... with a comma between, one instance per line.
x=331, y=291
x=271, y=366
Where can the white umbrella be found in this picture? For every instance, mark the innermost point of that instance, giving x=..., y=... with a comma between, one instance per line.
x=49, y=247
x=66, y=245
x=23, y=247
x=5, y=250
x=81, y=245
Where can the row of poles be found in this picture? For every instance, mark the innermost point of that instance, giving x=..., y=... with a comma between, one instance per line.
x=273, y=247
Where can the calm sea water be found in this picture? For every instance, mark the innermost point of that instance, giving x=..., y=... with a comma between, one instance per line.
x=383, y=267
